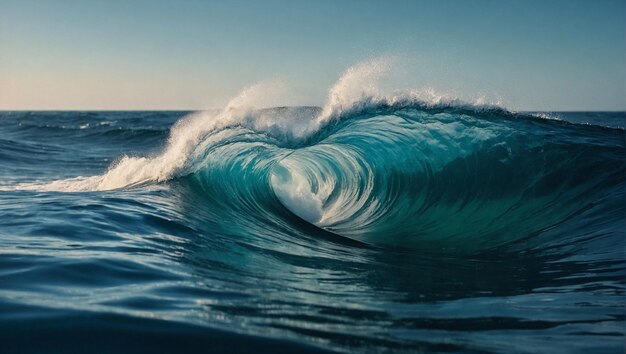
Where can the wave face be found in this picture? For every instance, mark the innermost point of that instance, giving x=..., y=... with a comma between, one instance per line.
x=419, y=177
x=378, y=223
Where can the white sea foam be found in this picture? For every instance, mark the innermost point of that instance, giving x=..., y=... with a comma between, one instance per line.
x=182, y=146
x=294, y=191
x=356, y=90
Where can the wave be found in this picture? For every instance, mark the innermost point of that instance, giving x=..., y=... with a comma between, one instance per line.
x=411, y=169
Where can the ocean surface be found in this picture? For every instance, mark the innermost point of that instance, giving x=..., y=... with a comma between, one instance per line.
x=393, y=225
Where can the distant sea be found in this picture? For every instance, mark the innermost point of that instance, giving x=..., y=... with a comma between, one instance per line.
x=389, y=227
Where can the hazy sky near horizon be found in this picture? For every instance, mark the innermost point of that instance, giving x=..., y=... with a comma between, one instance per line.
x=193, y=54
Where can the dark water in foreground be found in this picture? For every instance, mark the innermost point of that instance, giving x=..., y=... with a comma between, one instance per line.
x=394, y=229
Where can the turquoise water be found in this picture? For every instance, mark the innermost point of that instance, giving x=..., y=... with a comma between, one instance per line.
x=390, y=227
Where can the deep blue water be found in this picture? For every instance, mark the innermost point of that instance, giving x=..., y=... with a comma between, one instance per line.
x=393, y=228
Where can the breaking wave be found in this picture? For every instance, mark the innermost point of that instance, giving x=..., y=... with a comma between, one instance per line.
x=411, y=169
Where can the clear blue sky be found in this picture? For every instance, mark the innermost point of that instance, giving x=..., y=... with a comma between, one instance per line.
x=135, y=54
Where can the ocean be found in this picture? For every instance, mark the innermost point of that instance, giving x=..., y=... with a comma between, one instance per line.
x=385, y=226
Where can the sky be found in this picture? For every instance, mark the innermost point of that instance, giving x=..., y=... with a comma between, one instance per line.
x=195, y=54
